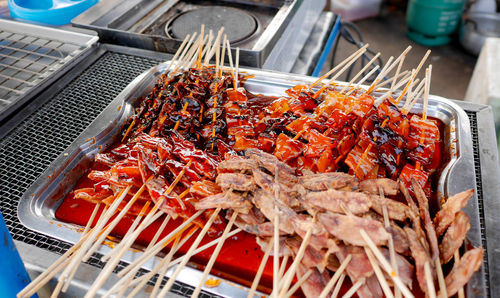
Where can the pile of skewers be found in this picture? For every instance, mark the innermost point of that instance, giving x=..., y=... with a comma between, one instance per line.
x=201, y=148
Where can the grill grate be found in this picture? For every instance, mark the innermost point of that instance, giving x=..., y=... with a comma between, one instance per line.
x=26, y=60
x=27, y=150
x=479, y=192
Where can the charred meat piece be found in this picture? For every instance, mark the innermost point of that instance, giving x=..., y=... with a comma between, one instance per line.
x=348, y=227
x=387, y=186
x=334, y=200
x=454, y=236
x=463, y=270
x=228, y=200
x=325, y=181
x=447, y=213
x=395, y=210
x=235, y=181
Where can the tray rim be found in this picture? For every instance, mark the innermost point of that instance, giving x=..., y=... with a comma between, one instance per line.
x=461, y=158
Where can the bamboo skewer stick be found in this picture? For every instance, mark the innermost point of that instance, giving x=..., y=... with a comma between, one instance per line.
x=389, y=93
x=284, y=262
x=461, y=293
x=359, y=73
x=230, y=58
x=338, y=286
x=385, y=265
x=299, y=283
x=380, y=75
x=200, y=47
x=414, y=75
x=216, y=252
x=378, y=273
x=440, y=276
x=189, y=253
x=158, y=232
x=237, y=66
x=355, y=287
x=276, y=238
x=184, y=52
x=91, y=219
x=431, y=291
x=388, y=69
x=397, y=72
x=402, y=74
x=223, y=56
x=428, y=73
x=338, y=66
x=291, y=272
x=356, y=87
x=335, y=277
x=76, y=258
x=392, y=252
x=262, y=265
x=157, y=247
x=178, y=52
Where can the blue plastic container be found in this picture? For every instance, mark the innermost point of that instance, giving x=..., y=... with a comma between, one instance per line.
x=54, y=12
x=13, y=275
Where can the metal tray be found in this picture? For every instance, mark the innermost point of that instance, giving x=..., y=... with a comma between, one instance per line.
x=38, y=205
x=31, y=57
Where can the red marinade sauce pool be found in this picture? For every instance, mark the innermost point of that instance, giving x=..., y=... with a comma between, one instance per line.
x=240, y=256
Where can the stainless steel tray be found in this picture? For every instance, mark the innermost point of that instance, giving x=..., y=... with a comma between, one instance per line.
x=33, y=56
x=38, y=205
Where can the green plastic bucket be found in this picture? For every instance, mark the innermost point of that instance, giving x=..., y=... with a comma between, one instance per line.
x=430, y=22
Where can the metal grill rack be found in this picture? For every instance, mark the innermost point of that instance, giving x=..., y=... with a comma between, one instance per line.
x=48, y=128
x=32, y=55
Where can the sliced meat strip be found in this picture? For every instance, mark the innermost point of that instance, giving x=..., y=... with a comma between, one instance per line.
x=273, y=165
x=237, y=164
x=348, y=227
x=334, y=200
x=454, y=236
x=399, y=239
x=463, y=270
x=319, y=236
x=359, y=266
x=388, y=186
x=227, y=200
x=395, y=210
x=316, y=282
x=263, y=242
x=313, y=258
x=370, y=289
x=286, y=195
x=235, y=181
x=325, y=181
x=419, y=256
x=447, y=213
x=265, y=202
x=426, y=217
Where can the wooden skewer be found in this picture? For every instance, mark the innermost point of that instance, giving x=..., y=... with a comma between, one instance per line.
x=276, y=238
x=440, y=276
x=385, y=265
x=338, y=66
x=202, y=32
x=108, y=269
x=415, y=95
x=165, y=266
x=178, y=52
x=284, y=262
x=428, y=73
x=291, y=272
x=189, y=253
x=237, y=66
x=299, y=283
x=214, y=46
x=338, y=286
x=379, y=274
x=399, y=76
x=76, y=258
x=397, y=72
x=128, y=130
x=340, y=72
x=262, y=265
x=428, y=278
x=223, y=56
x=178, y=178
x=392, y=252
x=230, y=58
x=91, y=219
x=179, y=62
x=216, y=252
x=461, y=292
x=164, y=263
x=157, y=247
x=198, y=51
x=355, y=287
x=335, y=277
x=414, y=75
x=388, y=67
x=193, y=53
x=158, y=232
x=356, y=87
x=359, y=73
x=389, y=93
